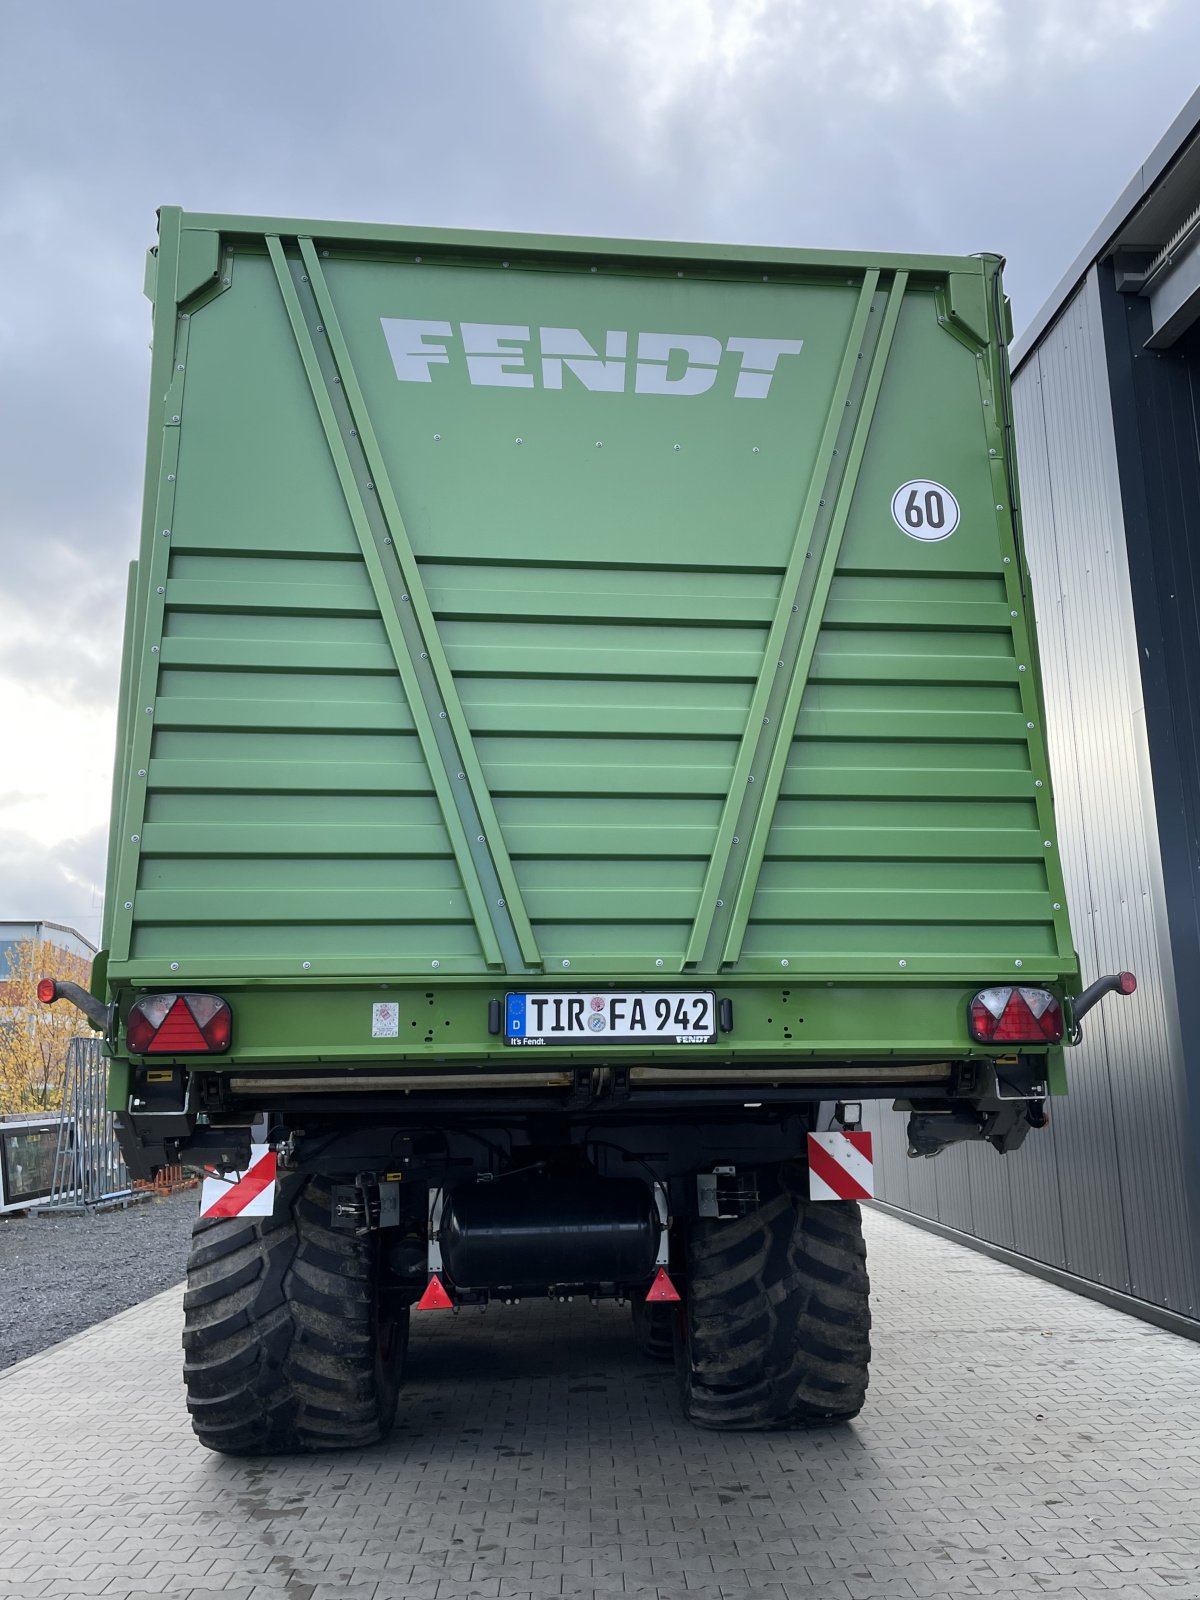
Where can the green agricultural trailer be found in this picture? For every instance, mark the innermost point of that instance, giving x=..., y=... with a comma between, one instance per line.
x=580, y=737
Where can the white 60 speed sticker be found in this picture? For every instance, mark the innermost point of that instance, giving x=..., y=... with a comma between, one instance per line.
x=925, y=510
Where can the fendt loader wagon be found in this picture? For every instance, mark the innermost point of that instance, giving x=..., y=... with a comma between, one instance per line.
x=581, y=735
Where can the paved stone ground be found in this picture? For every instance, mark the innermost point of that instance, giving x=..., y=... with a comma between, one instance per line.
x=1018, y=1440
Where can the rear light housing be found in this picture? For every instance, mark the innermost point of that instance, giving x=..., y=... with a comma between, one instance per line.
x=1015, y=1016
x=179, y=1025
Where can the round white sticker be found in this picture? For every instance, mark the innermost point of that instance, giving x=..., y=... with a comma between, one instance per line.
x=924, y=510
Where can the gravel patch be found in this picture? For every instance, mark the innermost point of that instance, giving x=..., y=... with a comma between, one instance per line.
x=62, y=1274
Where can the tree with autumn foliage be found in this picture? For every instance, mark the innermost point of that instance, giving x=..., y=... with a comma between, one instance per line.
x=34, y=1037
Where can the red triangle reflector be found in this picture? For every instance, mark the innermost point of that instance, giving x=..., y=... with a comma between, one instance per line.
x=178, y=1031
x=661, y=1289
x=435, y=1297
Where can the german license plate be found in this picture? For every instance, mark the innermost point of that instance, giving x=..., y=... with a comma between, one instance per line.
x=662, y=1017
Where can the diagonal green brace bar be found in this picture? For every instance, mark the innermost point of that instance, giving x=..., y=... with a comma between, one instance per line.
x=771, y=781
x=745, y=775
x=422, y=611
x=373, y=557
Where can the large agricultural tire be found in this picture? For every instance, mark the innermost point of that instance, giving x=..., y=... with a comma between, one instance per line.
x=285, y=1349
x=654, y=1330
x=775, y=1330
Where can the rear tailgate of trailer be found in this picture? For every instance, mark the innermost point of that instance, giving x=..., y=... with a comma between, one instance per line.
x=547, y=611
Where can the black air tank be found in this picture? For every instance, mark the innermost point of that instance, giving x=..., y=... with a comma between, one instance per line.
x=533, y=1232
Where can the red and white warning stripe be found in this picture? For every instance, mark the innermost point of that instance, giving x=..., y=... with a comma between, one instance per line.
x=840, y=1166
x=242, y=1194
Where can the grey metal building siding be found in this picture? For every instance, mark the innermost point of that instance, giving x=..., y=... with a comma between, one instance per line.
x=1104, y=1193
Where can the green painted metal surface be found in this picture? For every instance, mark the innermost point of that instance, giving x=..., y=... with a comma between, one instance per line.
x=514, y=607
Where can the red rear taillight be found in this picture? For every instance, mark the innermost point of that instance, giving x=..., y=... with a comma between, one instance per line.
x=47, y=991
x=1015, y=1016
x=179, y=1025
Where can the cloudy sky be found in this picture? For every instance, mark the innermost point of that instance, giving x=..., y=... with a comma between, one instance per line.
x=907, y=125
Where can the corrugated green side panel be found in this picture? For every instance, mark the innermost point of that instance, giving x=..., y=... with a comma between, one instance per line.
x=504, y=612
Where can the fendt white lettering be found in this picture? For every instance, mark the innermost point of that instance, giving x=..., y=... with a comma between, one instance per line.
x=500, y=355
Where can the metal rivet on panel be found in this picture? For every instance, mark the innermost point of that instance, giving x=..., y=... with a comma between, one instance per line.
x=1006, y=561
x=676, y=447
x=1058, y=905
x=736, y=839
x=903, y=963
x=784, y=962
x=1021, y=668
x=179, y=366
x=658, y=961
x=442, y=714
x=129, y=905
x=307, y=965
x=1029, y=724
x=998, y=508
x=1047, y=843
x=1018, y=963
x=354, y=433
x=437, y=438
x=170, y=477
x=518, y=441
x=1037, y=783
x=134, y=838
x=386, y=539
x=174, y=966
x=462, y=774
x=141, y=772
x=1014, y=613
x=417, y=259
x=153, y=649
x=478, y=838
x=175, y=418
x=679, y=274
x=149, y=711
x=166, y=533
x=566, y=963
x=754, y=450
x=161, y=589
x=595, y=269
x=504, y=263
x=500, y=903
x=599, y=444
x=320, y=327
x=435, y=963
x=404, y=597
x=324, y=252
x=720, y=903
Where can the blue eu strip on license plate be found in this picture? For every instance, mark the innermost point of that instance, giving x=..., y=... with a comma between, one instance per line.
x=661, y=1017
